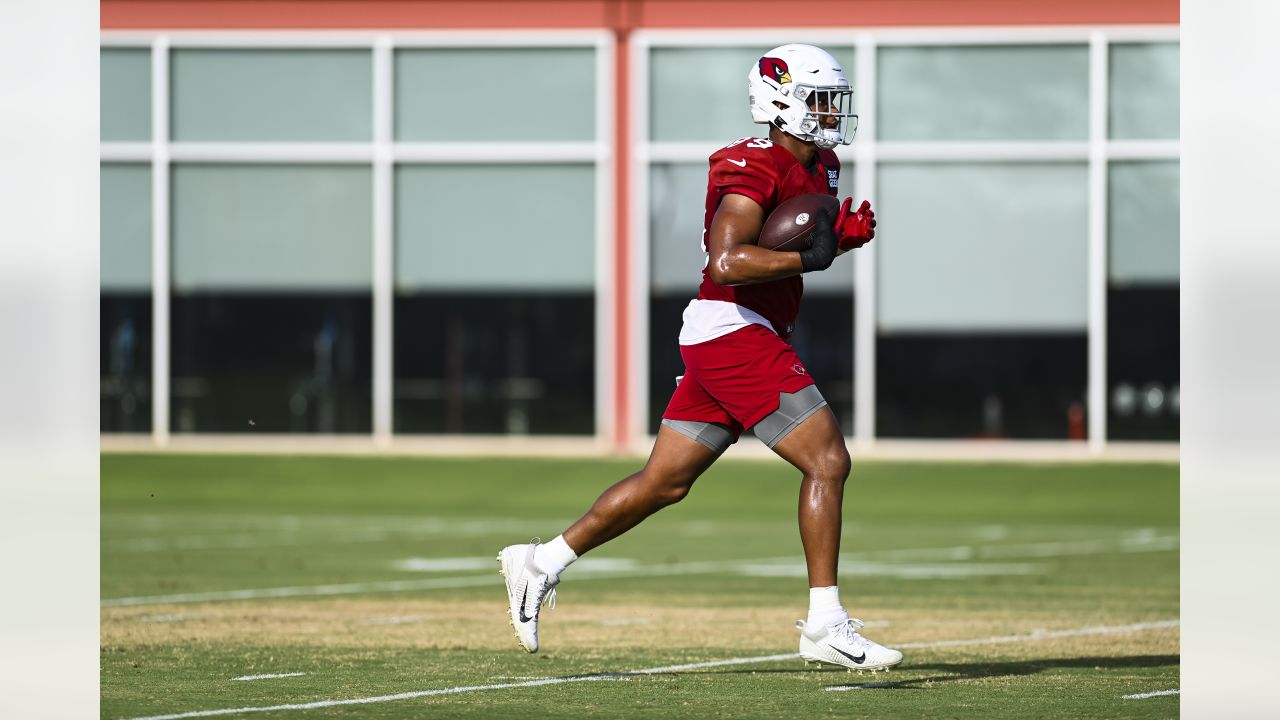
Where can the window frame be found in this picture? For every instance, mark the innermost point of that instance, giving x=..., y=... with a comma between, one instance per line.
x=382, y=153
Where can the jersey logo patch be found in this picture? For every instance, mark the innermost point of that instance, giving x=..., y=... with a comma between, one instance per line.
x=775, y=69
x=833, y=178
x=739, y=163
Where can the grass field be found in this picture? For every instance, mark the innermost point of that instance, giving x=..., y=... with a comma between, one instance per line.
x=1015, y=591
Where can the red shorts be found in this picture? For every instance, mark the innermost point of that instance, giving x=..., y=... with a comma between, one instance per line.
x=735, y=379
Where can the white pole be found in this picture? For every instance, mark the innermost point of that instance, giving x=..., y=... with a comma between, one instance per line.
x=606, y=349
x=638, y=249
x=1097, y=378
x=160, y=240
x=864, y=325
x=383, y=240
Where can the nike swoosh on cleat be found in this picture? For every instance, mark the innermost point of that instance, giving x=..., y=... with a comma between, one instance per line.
x=739, y=163
x=860, y=659
x=524, y=619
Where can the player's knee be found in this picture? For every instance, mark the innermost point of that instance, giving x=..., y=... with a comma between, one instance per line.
x=664, y=488
x=674, y=493
x=834, y=464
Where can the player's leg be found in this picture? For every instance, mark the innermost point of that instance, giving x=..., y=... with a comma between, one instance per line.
x=677, y=460
x=816, y=448
x=683, y=451
x=761, y=383
x=809, y=438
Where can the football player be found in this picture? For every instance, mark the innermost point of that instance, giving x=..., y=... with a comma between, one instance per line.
x=740, y=370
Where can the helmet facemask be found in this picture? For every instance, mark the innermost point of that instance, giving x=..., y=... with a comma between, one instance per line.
x=828, y=119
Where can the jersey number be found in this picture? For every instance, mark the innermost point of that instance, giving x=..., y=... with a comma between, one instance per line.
x=761, y=143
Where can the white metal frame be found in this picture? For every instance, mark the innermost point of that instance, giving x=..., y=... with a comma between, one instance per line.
x=1097, y=151
x=382, y=153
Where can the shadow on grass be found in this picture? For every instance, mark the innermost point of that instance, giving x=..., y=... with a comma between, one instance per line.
x=948, y=672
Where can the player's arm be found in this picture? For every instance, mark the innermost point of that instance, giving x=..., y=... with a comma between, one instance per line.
x=734, y=258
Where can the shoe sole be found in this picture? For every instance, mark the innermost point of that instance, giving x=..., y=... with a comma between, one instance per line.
x=873, y=669
x=511, y=620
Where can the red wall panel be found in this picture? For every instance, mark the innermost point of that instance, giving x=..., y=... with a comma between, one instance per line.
x=511, y=14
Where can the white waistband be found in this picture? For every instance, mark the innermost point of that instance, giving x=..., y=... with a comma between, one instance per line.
x=709, y=319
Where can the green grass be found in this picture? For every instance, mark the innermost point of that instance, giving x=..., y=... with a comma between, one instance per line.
x=1050, y=547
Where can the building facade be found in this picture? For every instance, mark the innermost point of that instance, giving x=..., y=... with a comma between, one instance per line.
x=404, y=218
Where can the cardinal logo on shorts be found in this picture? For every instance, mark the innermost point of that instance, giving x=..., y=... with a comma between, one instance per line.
x=799, y=369
x=775, y=69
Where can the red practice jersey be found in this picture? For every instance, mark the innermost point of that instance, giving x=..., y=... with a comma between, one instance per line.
x=768, y=174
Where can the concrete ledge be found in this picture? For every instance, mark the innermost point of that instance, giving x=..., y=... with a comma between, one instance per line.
x=748, y=448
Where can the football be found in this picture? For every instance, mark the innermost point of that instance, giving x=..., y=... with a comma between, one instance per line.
x=789, y=228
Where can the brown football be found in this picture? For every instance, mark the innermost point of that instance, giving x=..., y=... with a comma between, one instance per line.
x=789, y=227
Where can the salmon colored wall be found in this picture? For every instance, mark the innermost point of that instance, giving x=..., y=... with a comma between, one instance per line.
x=511, y=14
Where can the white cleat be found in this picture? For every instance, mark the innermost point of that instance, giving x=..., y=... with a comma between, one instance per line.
x=842, y=645
x=527, y=590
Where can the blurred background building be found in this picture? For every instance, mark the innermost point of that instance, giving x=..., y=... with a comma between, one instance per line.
x=397, y=218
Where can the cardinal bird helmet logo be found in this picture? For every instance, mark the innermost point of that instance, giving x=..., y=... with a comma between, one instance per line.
x=775, y=69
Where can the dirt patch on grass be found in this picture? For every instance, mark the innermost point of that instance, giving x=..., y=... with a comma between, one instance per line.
x=676, y=623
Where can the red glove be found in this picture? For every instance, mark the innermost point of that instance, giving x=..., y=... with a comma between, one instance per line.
x=855, y=229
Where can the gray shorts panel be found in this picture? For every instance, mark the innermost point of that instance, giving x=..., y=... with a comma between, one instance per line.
x=714, y=436
x=793, y=409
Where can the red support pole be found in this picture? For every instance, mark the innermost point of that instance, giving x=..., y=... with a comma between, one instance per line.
x=621, y=19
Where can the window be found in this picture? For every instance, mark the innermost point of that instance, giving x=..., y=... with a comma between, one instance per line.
x=495, y=306
x=982, y=315
x=495, y=94
x=125, y=100
x=1142, y=302
x=1143, y=94
x=272, y=227
x=1018, y=263
x=1008, y=92
x=271, y=313
x=271, y=95
x=125, y=304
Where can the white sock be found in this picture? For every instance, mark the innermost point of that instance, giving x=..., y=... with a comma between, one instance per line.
x=825, y=608
x=553, y=557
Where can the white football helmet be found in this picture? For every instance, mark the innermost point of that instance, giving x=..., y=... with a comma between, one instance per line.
x=783, y=83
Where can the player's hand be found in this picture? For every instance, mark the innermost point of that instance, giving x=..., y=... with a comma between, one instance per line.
x=823, y=250
x=855, y=229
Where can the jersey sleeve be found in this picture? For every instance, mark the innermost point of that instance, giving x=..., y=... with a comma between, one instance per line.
x=829, y=161
x=748, y=174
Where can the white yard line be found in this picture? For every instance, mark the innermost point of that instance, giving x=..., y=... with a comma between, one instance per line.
x=304, y=591
x=738, y=567
x=1045, y=635
x=1098, y=630
x=1144, y=696
x=863, y=686
x=269, y=676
